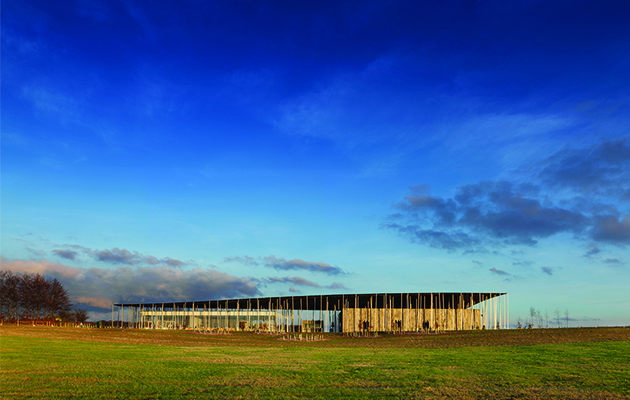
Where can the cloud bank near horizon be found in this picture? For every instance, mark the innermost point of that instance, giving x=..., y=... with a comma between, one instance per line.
x=96, y=289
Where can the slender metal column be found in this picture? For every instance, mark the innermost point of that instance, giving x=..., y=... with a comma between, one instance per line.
x=306, y=326
x=343, y=312
x=432, y=314
x=508, y=308
x=500, y=311
x=327, y=316
x=378, y=313
x=321, y=318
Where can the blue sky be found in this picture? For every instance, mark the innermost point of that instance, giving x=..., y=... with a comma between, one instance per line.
x=194, y=150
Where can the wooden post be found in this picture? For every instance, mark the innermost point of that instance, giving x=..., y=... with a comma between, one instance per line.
x=301, y=314
x=343, y=312
x=321, y=313
x=402, y=313
x=460, y=326
x=371, y=308
x=432, y=326
x=424, y=310
x=385, y=313
x=487, y=321
x=327, y=316
x=442, y=307
x=438, y=311
x=445, y=311
x=378, y=313
x=438, y=302
x=454, y=312
x=489, y=307
x=390, y=314
x=500, y=322
x=354, y=313
x=494, y=304
x=304, y=322
x=490, y=324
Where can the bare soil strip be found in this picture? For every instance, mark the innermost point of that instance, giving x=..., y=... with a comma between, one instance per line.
x=441, y=340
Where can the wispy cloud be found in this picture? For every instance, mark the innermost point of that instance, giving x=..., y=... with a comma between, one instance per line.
x=116, y=256
x=593, y=249
x=299, y=281
x=52, y=102
x=522, y=263
x=601, y=170
x=338, y=109
x=547, y=270
x=67, y=254
x=501, y=272
x=282, y=264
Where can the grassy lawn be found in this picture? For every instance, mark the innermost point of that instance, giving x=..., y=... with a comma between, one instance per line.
x=89, y=363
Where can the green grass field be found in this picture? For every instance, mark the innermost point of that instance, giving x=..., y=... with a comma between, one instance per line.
x=110, y=363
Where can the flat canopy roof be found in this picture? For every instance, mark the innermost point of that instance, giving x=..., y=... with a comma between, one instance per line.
x=332, y=301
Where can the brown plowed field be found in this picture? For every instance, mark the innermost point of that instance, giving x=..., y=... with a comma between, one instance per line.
x=440, y=340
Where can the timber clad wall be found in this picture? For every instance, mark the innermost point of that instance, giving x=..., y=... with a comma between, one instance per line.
x=410, y=320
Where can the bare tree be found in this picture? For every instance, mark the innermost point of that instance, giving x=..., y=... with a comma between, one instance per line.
x=40, y=295
x=59, y=303
x=80, y=315
x=27, y=296
x=546, y=318
x=557, y=314
x=3, y=295
x=11, y=295
x=566, y=316
x=532, y=314
x=31, y=296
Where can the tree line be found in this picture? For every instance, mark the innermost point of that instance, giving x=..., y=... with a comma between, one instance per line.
x=35, y=297
x=539, y=320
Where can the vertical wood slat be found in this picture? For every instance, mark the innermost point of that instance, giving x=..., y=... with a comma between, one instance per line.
x=470, y=311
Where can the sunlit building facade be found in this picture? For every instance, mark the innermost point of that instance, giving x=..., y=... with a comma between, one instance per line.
x=376, y=312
